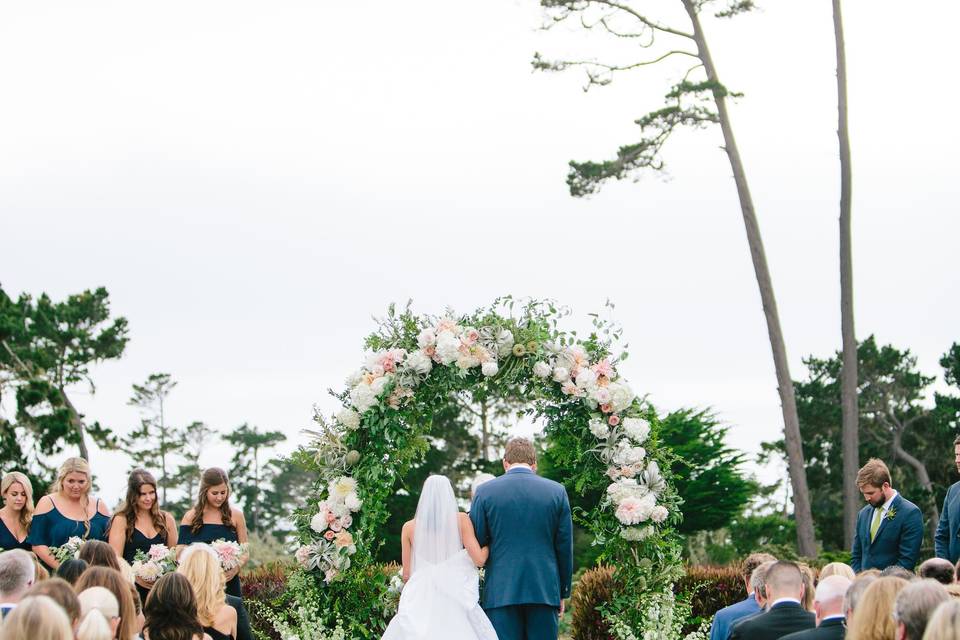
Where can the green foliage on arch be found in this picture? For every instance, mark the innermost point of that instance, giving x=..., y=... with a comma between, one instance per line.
x=602, y=437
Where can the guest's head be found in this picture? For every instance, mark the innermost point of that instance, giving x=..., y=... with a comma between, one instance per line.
x=171, y=610
x=953, y=589
x=828, y=599
x=17, y=574
x=17, y=493
x=944, y=622
x=837, y=569
x=750, y=564
x=36, y=618
x=873, y=480
x=876, y=573
x=855, y=592
x=914, y=606
x=40, y=572
x=99, y=614
x=896, y=571
x=873, y=615
x=520, y=451
x=97, y=553
x=214, y=492
x=784, y=579
x=120, y=588
x=61, y=592
x=70, y=570
x=200, y=565
x=758, y=581
x=141, y=498
x=809, y=585
x=479, y=480
x=938, y=569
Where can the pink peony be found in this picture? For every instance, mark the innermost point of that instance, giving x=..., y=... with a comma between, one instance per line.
x=632, y=511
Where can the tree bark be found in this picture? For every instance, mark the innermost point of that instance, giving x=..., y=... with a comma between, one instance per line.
x=806, y=541
x=922, y=475
x=77, y=424
x=848, y=372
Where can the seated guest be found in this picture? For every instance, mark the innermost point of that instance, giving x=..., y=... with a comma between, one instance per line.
x=37, y=618
x=837, y=569
x=914, y=606
x=39, y=570
x=16, y=576
x=828, y=605
x=99, y=615
x=121, y=590
x=855, y=592
x=72, y=569
x=171, y=611
x=809, y=586
x=938, y=569
x=61, y=592
x=873, y=615
x=898, y=572
x=784, y=591
x=724, y=619
x=200, y=565
x=944, y=622
x=97, y=553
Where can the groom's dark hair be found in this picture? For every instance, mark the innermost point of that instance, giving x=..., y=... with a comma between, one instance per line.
x=520, y=451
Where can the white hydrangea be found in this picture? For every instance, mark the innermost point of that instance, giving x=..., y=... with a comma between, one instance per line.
x=627, y=455
x=586, y=379
x=419, y=362
x=542, y=369
x=600, y=395
x=636, y=534
x=490, y=369
x=637, y=429
x=561, y=374
x=349, y=418
x=621, y=395
x=599, y=428
x=352, y=502
x=623, y=489
x=378, y=385
x=362, y=397
x=448, y=347
x=319, y=522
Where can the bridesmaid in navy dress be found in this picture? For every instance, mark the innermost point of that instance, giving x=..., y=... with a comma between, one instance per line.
x=139, y=523
x=212, y=518
x=67, y=511
x=17, y=511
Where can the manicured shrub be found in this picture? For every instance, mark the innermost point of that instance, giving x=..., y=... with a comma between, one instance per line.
x=592, y=589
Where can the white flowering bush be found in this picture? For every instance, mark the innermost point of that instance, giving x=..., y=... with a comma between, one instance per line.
x=599, y=433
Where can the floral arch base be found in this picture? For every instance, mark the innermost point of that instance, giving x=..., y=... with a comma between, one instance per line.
x=603, y=438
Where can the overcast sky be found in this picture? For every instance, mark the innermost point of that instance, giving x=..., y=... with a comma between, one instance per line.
x=251, y=181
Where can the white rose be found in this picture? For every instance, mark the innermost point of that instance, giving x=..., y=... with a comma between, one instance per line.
x=659, y=514
x=419, y=362
x=378, y=385
x=626, y=455
x=621, y=395
x=599, y=428
x=448, y=347
x=504, y=343
x=427, y=338
x=354, y=378
x=352, y=502
x=362, y=397
x=339, y=509
x=349, y=418
x=637, y=429
x=561, y=374
x=319, y=522
x=542, y=369
x=490, y=369
x=623, y=489
x=586, y=378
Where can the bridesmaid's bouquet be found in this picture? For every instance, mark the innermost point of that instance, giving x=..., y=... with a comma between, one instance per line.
x=156, y=562
x=69, y=550
x=230, y=553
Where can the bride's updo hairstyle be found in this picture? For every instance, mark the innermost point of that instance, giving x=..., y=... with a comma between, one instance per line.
x=520, y=451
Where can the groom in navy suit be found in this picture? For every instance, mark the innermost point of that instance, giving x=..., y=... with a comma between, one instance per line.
x=890, y=528
x=526, y=522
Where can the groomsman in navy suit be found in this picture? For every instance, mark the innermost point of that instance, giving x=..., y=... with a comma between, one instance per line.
x=946, y=541
x=890, y=528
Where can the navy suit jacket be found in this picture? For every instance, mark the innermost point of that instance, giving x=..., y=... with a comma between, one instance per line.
x=526, y=522
x=781, y=619
x=898, y=538
x=832, y=629
x=946, y=541
x=724, y=619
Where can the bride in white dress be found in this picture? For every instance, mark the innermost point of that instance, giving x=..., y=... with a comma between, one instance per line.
x=440, y=600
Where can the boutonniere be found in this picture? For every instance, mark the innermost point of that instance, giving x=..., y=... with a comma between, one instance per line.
x=891, y=513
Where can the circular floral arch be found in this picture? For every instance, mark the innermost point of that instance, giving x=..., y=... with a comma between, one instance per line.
x=603, y=439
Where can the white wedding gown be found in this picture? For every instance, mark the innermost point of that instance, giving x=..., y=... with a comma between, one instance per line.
x=441, y=599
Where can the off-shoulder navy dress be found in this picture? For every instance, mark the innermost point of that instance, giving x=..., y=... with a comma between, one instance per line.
x=53, y=529
x=209, y=533
x=140, y=542
x=9, y=541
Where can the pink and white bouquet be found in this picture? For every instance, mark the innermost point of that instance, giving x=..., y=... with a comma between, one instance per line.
x=158, y=561
x=230, y=553
x=69, y=550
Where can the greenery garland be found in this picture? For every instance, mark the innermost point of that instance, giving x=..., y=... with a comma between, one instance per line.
x=601, y=437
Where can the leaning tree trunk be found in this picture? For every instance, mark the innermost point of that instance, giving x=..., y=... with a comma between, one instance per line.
x=77, y=423
x=922, y=475
x=806, y=541
x=848, y=372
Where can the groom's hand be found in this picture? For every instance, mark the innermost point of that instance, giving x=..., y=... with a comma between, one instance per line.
x=563, y=607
